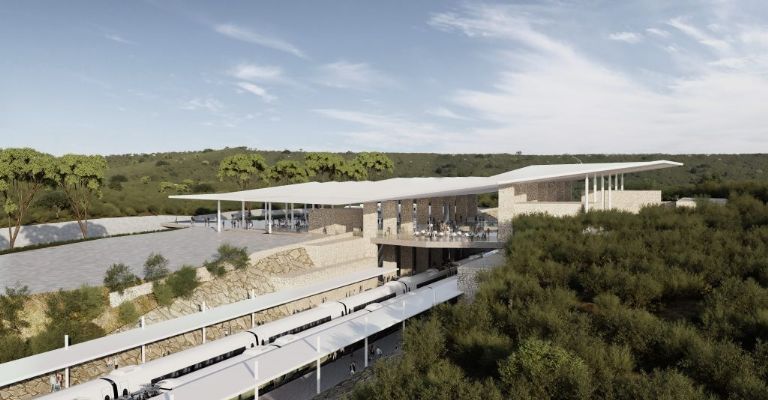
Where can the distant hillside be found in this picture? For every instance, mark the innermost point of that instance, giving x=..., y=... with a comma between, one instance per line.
x=133, y=183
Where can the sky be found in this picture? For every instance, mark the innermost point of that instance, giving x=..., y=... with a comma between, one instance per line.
x=541, y=77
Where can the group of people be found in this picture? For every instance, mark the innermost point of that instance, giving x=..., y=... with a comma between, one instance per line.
x=374, y=353
x=56, y=382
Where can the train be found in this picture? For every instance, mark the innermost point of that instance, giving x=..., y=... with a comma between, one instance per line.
x=140, y=381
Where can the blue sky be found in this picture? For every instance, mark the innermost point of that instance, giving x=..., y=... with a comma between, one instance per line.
x=425, y=76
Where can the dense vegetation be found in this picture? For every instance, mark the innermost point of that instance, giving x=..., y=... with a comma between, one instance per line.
x=139, y=184
x=669, y=303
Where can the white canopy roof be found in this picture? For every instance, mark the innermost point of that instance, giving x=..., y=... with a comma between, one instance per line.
x=340, y=193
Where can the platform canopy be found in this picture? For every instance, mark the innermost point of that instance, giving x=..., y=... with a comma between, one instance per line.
x=353, y=192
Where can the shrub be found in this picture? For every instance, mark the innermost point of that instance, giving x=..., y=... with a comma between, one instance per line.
x=119, y=277
x=215, y=268
x=12, y=347
x=145, y=179
x=234, y=256
x=11, y=304
x=156, y=267
x=80, y=305
x=127, y=313
x=183, y=282
x=163, y=293
x=160, y=163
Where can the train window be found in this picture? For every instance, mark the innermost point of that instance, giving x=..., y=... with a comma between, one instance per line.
x=125, y=392
x=106, y=397
x=253, y=345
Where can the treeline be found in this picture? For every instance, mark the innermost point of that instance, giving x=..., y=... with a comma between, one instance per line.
x=669, y=303
x=139, y=184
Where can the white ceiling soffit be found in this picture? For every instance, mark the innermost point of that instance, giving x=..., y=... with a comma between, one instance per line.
x=342, y=193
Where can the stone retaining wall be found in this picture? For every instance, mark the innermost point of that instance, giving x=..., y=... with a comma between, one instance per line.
x=332, y=221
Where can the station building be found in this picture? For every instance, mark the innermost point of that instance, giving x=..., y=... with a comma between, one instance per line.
x=427, y=222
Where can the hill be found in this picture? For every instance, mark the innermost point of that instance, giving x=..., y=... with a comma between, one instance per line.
x=133, y=180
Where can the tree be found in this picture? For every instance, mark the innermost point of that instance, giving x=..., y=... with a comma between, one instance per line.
x=81, y=177
x=119, y=277
x=328, y=164
x=55, y=200
x=242, y=168
x=11, y=304
x=24, y=172
x=156, y=267
x=288, y=171
x=375, y=162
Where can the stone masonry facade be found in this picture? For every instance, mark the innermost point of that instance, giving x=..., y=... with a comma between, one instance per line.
x=332, y=221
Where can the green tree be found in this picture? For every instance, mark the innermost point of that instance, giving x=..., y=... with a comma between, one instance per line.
x=374, y=162
x=287, y=171
x=163, y=293
x=329, y=165
x=81, y=177
x=24, y=172
x=119, y=277
x=55, y=200
x=242, y=168
x=11, y=304
x=156, y=267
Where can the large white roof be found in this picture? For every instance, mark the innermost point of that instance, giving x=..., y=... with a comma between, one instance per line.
x=341, y=193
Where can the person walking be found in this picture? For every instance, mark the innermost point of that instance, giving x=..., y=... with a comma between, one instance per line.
x=378, y=352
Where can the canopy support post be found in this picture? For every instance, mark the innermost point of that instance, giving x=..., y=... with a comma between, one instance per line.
x=242, y=215
x=218, y=216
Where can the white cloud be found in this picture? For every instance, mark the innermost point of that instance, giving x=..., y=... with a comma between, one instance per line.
x=628, y=37
x=697, y=34
x=245, y=35
x=658, y=32
x=550, y=97
x=444, y=113
x=198, y=103
x=347, y=75
x=390, y=131
x=118, y=38
x=254, y=72
x=257, y=90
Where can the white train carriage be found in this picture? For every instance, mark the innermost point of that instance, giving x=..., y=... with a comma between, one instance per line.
x=425, y=278
x=377, y=295
x=268, y=333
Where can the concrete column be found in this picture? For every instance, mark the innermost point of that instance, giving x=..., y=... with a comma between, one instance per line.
x=370, y=226
x=602, y=192
x=242, y=215
x=609, y=191
x=422, y=212
x=506, y=211
x=586, y=194
x=422, y=259
x=389, y=217
x=406, y=261
x=594, y=189
x=218, y=216
x=471, y=207
x=622, y=182
x=388, y=256
x=437, y=209
x=406, y=217
x=436, y=258
x=66, y=370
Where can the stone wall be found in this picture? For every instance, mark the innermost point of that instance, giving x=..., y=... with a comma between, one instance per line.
x=406, y=217
x=469, y=270
x=333, y=221
x=546, y=191
x=389, y=217
x=117, y=298
x=422, y=211
x=625, y=200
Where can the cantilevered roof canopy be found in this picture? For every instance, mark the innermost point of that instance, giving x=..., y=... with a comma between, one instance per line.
x=561, y=172
x=341, y=193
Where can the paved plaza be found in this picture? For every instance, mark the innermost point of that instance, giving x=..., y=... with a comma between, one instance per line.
x=72, y=265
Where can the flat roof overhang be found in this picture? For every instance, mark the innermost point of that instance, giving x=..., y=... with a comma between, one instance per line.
x=344, y=193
